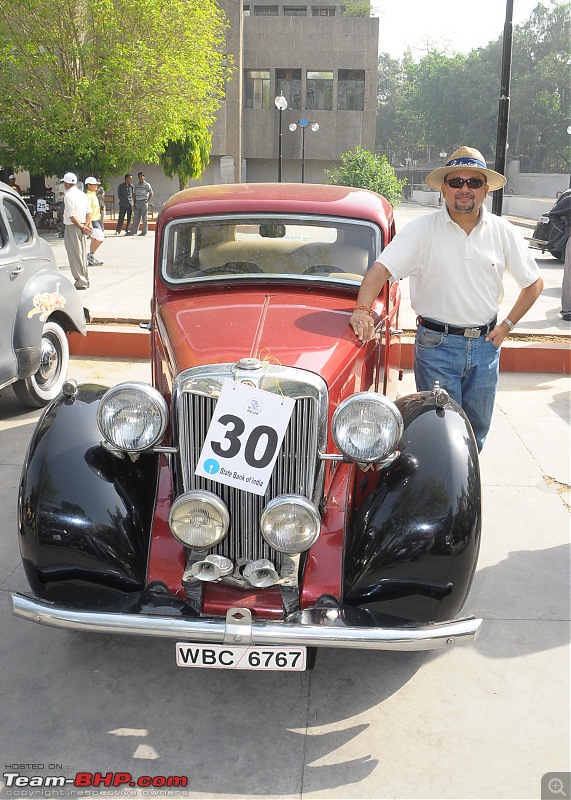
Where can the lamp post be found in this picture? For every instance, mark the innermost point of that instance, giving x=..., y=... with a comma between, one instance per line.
x=443, y=155
x=303, y=123
x=281, y=105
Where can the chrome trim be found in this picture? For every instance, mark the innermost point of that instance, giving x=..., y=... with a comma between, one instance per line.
x=263, y=632
x=298, y=469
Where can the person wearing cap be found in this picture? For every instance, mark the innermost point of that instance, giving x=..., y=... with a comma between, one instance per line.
x=97, y=235
x=76, y=220
x=456, y=259
x=143, y=194
x=12, y=184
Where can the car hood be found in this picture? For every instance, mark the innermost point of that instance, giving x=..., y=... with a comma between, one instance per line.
x=306, y=329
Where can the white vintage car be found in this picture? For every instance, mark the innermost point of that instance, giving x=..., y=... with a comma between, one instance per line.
x=38, y=308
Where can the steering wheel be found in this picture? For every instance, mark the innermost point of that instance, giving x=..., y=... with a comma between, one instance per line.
x=321, y=269
x=232, y=268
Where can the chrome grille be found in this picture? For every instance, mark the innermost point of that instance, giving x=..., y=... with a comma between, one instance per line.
x=297, y=468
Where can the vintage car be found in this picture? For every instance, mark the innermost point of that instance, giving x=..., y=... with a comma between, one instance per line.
x=270, y=494
x=38, y=307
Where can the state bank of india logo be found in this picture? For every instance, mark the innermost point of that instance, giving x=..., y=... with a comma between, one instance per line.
x=255, y=406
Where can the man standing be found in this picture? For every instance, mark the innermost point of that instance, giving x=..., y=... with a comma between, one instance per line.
x=76, y=220
x=143, y=194
x=97, y=234
x=456, y=259
x=13, y=185
x=560, y=216
x=125, y=200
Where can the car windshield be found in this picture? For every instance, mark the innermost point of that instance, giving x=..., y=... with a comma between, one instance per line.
x=278, y=246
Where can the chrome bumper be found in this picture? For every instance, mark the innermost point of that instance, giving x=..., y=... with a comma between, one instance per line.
x=315, y=627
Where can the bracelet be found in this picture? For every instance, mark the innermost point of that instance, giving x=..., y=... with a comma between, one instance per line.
x=368, y=309
x=509, y=323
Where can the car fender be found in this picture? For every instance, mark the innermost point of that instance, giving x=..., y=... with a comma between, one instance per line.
x=48, y=295
x=414, y=542
x=85, y=515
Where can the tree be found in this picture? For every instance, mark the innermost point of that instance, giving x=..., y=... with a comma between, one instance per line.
x=444, y=101
x=364, y=170
x=188, y=155
x=95, y=86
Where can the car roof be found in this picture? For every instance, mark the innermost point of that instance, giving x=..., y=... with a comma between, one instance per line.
x=285, y=198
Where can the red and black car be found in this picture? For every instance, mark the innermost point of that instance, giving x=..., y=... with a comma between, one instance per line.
x=270, y=493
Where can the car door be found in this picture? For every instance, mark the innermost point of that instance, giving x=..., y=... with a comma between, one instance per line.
x=18, y=262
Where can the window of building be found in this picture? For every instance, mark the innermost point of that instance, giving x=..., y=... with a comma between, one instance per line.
x=265, y=11
x=288, y=83
x=256, y=88
x=320, y=90
x=351, y=90
x=295, y=11
x=246, y=9
x=322, y=11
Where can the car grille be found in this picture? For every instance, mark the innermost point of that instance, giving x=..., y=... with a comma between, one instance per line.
x=297, y=469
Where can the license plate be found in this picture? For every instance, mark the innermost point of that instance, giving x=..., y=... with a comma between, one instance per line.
x=218, y=656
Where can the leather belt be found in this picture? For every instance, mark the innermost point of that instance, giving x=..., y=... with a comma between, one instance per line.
x=473, y=332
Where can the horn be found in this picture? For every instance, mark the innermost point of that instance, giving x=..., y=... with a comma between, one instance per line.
x=211, y=568
x=261, y=573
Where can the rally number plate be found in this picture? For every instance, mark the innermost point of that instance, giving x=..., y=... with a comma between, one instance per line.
x=219, y=656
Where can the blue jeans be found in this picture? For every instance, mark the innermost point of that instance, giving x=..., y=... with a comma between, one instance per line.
x=467, y=368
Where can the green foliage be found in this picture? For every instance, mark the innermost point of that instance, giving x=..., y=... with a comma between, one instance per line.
x=444, y=101
x=95, y=86
x=364, y=170
x=188, y=155
x=357, y=8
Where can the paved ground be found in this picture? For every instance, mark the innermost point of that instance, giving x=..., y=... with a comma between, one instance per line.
x=121, y=288
x=483, y=721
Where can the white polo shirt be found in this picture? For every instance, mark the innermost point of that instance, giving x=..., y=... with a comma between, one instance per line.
x=75, y=204
x=455, y=277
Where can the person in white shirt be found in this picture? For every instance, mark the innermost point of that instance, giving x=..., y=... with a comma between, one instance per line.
x=456, y=259
x=76, y=220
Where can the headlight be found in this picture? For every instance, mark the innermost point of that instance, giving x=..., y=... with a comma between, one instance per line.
x=367, y=427
x=199, y=519
x=132, y=416
x=290, y=524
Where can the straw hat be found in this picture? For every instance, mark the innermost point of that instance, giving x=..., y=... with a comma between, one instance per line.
x=466, y=159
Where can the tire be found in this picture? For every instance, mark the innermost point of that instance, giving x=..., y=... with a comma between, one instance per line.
x=39, y=389
x=558, y=254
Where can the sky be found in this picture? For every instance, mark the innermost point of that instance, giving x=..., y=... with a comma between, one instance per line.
x=447, y=25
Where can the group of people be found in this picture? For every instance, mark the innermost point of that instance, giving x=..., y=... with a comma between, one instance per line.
x=133, y=200
x=83, y=218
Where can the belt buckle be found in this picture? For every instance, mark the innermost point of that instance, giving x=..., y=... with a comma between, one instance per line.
x=472, y=333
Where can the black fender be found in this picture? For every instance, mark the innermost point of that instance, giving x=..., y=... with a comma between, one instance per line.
x=85, y=515
x=414, y=542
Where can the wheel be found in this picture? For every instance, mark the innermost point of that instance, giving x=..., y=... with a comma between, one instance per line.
x=558, y=254
x=46, y=383
x=322, y=269
x=231, y=268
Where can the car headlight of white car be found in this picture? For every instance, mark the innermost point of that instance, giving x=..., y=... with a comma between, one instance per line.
x=199, y=519
x=290, y=523
x=132, y=416
x=367, y=428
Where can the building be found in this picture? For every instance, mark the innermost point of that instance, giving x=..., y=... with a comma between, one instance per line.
x=325, y=65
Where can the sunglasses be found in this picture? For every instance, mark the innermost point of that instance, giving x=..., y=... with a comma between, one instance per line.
x=471, y=183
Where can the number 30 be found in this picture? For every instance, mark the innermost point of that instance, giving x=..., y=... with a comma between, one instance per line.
x=234, y=429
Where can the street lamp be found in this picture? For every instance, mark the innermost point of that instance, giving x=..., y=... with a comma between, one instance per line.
x=303, y=123
x=281, y=105
x=443, y=155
